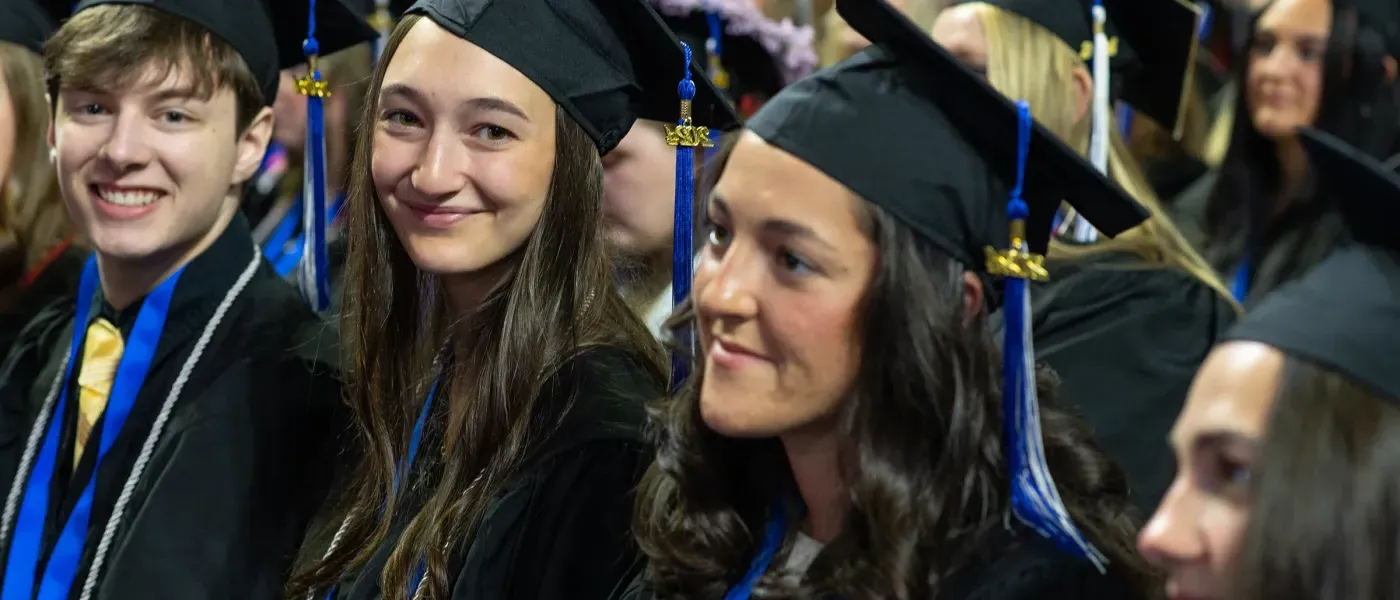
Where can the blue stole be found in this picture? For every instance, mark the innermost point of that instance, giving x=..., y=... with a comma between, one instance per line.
x=61, y=569
x=285, y=245
x=403, y=470
x=773, y=535
x=1239, y=283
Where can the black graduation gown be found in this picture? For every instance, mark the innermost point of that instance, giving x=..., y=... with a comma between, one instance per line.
x=560, y=529
x=1126, y=342
x=240, y=467
x=1015, y=565
x=57, y=282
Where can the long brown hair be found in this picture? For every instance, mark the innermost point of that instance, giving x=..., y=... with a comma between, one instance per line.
x=1325, y=493
x=928, y=483
x=556, y=300
x=34, y=218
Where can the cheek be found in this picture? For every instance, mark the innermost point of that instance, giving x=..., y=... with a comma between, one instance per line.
x=1224, y=524
x=390, y=163
x=819, y=335
x=514, y=181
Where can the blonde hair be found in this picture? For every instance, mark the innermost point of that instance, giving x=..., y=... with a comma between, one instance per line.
x=1026, y=61
x=34, y=218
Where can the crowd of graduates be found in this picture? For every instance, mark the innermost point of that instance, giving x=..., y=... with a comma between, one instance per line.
x=699, y=299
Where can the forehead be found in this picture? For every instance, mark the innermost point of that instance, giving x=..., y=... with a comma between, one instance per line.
x=1233, y=392
x=155, y=77
x=443, y=66
x=768, y=181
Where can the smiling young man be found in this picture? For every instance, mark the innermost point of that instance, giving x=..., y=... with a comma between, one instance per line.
x=163, y=436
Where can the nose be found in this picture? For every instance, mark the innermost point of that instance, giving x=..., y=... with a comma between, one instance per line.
x=1280, y=60
x=725, y=283
x=127, y=148
x=442, y=172
x=1172, y=536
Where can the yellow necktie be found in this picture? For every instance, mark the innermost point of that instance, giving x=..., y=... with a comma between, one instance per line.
x=102, y=350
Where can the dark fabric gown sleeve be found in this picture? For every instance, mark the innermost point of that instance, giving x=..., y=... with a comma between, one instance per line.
x=563, y=532
x=230, y=489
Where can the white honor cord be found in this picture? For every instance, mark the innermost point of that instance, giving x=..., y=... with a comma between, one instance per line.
x=345, y=524
x=149, y=447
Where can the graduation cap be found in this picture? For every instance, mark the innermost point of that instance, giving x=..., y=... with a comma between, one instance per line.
x=25, y=24
x=1344, y=314
x=909, y=128
x=268, y=34
x=1152, y=46
x=605, y=62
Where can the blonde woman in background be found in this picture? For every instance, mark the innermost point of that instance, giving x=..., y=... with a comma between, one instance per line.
x=1125, y=322
x=37, y=261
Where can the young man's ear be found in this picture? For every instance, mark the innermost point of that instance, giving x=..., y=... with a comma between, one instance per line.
x=252, y=145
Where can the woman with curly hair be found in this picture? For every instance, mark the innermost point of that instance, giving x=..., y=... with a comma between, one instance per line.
x=849, y=429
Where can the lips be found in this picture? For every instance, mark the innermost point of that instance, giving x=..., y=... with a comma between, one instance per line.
x=729, y=355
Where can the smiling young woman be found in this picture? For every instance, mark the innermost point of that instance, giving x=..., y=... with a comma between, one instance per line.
x=497, y=379
x=842, y=434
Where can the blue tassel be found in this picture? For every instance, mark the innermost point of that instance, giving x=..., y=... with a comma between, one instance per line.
x=315, y=285
x=684, y=243
x=1034, y=499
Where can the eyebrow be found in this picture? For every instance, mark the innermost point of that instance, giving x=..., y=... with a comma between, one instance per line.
x=180, y=93
x=486, y=103
x=781, y=227
x=1219, y=438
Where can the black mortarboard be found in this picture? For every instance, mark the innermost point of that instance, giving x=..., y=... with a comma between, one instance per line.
x=1153, y=65
x=268, y=34
x=606, y=62
x=25, y=24
x=907, y=127
x=1344, y=314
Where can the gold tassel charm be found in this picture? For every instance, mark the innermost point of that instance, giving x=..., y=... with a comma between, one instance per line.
x=1013, y=262
x=686, y=134
x=309, y=85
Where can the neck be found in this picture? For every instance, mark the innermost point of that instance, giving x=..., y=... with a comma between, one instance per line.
x=128, y=279
x=1293, y=164
x=466, y=291
x=815, y=460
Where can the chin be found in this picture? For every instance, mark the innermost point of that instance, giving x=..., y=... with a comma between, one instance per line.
x=733, y=413
x=1275, y=126
x=450, y=257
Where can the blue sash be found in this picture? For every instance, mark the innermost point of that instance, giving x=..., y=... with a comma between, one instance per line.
x=1239, y=285
x=404, y=468
x=61, y=569
x=285, y=245
x=773, y=536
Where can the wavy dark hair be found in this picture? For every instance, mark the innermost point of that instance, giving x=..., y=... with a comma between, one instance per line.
x=1326, y=494
x=1242, y=209
x=556, y=301
x=928, y=481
